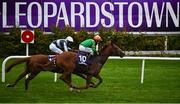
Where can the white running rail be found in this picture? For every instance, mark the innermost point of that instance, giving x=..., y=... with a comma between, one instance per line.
x=112, y=57
x=143, y=61
x=4, y=65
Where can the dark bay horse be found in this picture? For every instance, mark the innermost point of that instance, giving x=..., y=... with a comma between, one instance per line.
x=68, y=62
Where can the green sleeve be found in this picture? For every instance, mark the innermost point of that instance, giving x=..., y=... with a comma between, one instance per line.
x=89, y=43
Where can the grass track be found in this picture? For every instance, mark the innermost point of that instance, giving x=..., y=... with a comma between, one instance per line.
x=121, y=84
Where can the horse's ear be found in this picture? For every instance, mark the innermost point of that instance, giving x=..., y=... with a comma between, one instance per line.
x=111, y=42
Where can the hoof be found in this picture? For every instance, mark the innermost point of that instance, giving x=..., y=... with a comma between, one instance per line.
x=77, y=90
x=71, y=89
x=9, y=85
x=92, y=85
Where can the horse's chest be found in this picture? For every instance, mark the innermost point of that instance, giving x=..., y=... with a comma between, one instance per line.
x=95, y=68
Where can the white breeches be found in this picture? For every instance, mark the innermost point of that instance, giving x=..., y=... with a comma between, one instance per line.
x=86, y=49
x=55, y=49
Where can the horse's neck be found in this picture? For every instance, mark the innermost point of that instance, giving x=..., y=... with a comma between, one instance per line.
x=105, y=52
x=101, y=59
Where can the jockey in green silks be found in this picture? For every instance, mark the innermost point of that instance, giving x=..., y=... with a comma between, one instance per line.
x=89, y=45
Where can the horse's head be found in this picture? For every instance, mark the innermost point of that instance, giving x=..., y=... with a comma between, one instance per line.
x=111, y=49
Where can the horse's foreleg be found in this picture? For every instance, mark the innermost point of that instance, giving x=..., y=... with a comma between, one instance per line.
x=23, y=74
x=85, y=77
x=67, y=80
x=100, y=81
x=30, y=77
x=66, y=77
x=88, y=83
x=71, y=86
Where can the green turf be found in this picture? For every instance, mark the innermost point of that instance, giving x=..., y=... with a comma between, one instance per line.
x=121, y=84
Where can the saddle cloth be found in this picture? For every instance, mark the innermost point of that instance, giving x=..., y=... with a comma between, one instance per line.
x=52, y=57
x=82, y=58
x=54, y=68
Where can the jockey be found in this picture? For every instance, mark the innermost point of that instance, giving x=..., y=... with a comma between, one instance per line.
x=89, y=45
x=60, y=45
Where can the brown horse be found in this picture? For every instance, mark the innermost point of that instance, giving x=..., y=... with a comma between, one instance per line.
x=34, y=67
x=68, y=61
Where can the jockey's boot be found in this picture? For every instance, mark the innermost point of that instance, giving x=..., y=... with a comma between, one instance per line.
x=90, y=59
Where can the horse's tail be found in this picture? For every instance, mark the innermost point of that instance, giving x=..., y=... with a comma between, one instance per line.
x=19, y=61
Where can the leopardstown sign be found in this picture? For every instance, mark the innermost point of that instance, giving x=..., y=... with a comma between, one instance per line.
x=132, y=15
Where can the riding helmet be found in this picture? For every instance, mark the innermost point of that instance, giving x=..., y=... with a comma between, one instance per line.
x=70, y=39
x=97, y=38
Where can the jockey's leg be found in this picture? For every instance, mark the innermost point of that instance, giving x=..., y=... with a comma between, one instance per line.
x=85, y=49
x=55, y=49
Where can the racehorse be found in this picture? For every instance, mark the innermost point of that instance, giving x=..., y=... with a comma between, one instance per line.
x=66, y=63
x=34, y=67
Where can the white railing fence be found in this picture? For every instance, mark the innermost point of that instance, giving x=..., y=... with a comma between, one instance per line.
x=143, y=62
x=4, y=65
x=112, y=57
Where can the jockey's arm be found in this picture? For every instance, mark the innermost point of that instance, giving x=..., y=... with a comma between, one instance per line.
x=65, y=47
x=94, y=47
x=69, y=49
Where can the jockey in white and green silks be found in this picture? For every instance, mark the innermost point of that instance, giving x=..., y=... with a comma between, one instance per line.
x=89, y=45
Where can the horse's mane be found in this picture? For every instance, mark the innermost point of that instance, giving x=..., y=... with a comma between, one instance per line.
x=105, y=46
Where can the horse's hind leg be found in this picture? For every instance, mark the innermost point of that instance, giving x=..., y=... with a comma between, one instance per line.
x=30, y=77
x=23, y=74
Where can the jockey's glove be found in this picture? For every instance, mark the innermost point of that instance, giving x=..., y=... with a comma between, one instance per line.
x=69, y=49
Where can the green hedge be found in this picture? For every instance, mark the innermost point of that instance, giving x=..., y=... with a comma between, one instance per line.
x=174, y=42
x=10, y=44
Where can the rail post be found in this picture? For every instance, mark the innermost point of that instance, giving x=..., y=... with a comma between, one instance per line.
x=142, y=71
